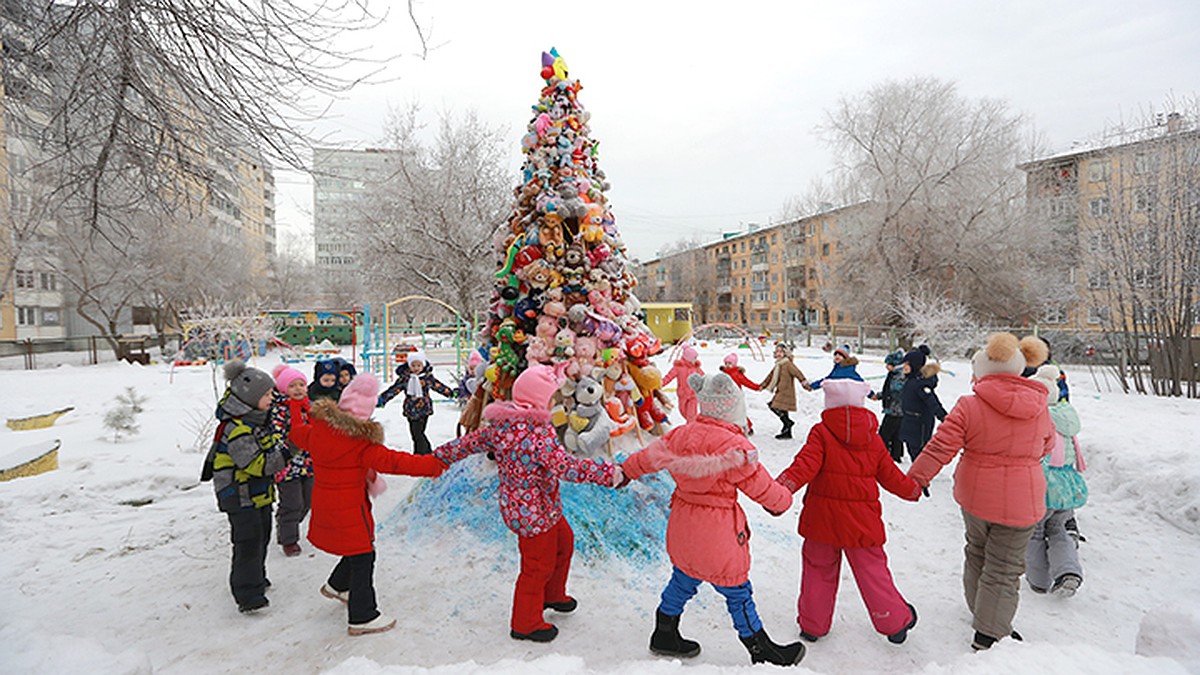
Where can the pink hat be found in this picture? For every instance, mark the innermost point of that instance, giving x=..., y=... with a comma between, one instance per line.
x=285, y=375
x=359, y=397
x=731, y=359
x=844, y=392
x=689, y=353
x=534, y=387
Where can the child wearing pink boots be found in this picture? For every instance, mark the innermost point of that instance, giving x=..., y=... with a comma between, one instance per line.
x=843, y=462
x=708, y=538
x=679, y=372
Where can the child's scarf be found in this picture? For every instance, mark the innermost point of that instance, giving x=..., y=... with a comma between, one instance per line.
x=415, y=387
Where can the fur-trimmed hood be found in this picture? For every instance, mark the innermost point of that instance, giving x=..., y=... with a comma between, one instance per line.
x=930, y=369
x=707, y=447
x=328, y=412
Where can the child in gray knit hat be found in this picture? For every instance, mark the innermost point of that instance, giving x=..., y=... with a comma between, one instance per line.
x=246, y=452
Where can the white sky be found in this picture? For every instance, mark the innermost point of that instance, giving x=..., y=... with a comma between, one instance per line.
x=705, y=112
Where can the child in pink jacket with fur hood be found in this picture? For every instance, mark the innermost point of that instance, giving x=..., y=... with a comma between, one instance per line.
x=679, y=373
x=708, y=538
x=1004, y=430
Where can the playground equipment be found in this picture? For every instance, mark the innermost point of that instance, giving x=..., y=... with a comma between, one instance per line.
x=671, y=322
x=751, y=342
x=29, y=460
x=386, y=342
x=303, y=327
x=37, y=421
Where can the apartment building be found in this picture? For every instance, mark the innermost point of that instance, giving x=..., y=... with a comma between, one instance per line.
x=759, y=278
x=342, y=181
x=1120, y=209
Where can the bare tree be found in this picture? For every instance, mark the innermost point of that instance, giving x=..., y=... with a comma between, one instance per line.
x=945, y=202
x=429, y=224
x=1142, y=250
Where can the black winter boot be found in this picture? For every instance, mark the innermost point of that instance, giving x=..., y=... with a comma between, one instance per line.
x=666, y=640
x=902, y=635
x=762, y=650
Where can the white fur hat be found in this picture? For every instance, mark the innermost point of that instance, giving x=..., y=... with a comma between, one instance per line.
x=1048, y=375
x=1001, y=355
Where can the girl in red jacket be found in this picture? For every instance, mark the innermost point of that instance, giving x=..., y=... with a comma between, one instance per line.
x=347, y=448
x=708, y=538
x=531, y=461
x=843, y=462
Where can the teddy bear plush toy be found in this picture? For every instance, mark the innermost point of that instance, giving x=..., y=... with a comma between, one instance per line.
x=586, y=424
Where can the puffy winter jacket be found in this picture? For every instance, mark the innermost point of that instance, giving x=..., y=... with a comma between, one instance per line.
x=844, y=462
x=688, y=405
x=531, y=461
x=415, y=406
x=343, y=449
x=707, y=533
x=1004, y=430
x=244, y=456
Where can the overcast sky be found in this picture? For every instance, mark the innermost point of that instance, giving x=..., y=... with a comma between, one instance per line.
x=705, y=112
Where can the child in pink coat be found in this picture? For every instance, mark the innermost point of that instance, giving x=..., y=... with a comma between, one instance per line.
x=843, y=463
x=708, y=538
x=679, y=373
x=531, y=461
x=1003, y=430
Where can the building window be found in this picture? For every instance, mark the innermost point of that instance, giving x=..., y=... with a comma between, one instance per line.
x=1098, y=170
x=1097, y=280
x=824, y=250
x=1055, y=315
x=1099, y=207
x=1099, y=243
x=812, y=273
x=24, y=278
x=1144, y=198
x=774, y=296
x=26, y=316
x=51, y=316
x=48, y=281
x=762, y=316
x=1097, y=315
x=1141, y=278
x=839, y=317
x=1144, y=163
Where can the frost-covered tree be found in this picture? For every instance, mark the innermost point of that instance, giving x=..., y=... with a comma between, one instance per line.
x=944, y=202
x=121, y=419
x=427, y=227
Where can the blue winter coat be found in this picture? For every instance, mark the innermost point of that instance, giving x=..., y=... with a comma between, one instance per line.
x=841, y=371
x=893, y=387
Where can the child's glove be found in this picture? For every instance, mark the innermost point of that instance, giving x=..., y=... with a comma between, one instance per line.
x=774, y=513
x=619, y=479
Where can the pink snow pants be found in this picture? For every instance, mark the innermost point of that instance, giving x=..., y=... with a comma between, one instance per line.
x=819, y=585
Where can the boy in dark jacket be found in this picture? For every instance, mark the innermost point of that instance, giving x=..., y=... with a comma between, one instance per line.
x=325, y=382
x=415, y=378
x=893, y=412
x=241, y=463
x=919, y=400
x=347, y=449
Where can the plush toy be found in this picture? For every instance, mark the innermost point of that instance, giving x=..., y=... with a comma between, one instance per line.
x=649, y=383
x=564, y=344
x=550, y=235
x=587, y=423
x=540, y=274
x=504, y=354
x=586, y=351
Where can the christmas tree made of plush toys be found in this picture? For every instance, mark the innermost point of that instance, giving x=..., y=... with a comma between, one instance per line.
x=563, y=297
x=564, y=293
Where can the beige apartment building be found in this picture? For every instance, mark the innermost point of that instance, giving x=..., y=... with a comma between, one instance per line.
x=760, y=279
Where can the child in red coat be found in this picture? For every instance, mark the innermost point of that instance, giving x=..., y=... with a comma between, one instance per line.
x=531, y=461
x=843, y=462
x=347, y=448
x=731, y=368
x=708, y=538
x=679, y=372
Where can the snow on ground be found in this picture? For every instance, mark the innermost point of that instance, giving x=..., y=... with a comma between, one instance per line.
x=118, y=561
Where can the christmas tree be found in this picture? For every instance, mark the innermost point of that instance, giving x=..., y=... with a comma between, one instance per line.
x=564, y=288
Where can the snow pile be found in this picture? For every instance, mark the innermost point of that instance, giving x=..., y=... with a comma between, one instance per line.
x=1172, y=632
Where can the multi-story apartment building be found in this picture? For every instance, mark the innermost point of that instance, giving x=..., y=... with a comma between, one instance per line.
x=342, y=181
x=761, y=278
x=32, y=303
x=1120, y=209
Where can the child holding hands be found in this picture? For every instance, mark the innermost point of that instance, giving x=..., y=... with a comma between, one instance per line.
x=295, y=481
x=415, y=378
x=347, y=449
x=708, y=538
x=843, y=462
x=531, y=461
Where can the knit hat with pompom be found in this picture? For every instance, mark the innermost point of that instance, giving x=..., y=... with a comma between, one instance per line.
x=247, y=384
x=1002, y=355
x=285, y=375
x=719, y=397
x=359, y=397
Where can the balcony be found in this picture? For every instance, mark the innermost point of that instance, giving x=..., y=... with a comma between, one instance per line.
x=724, y=289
